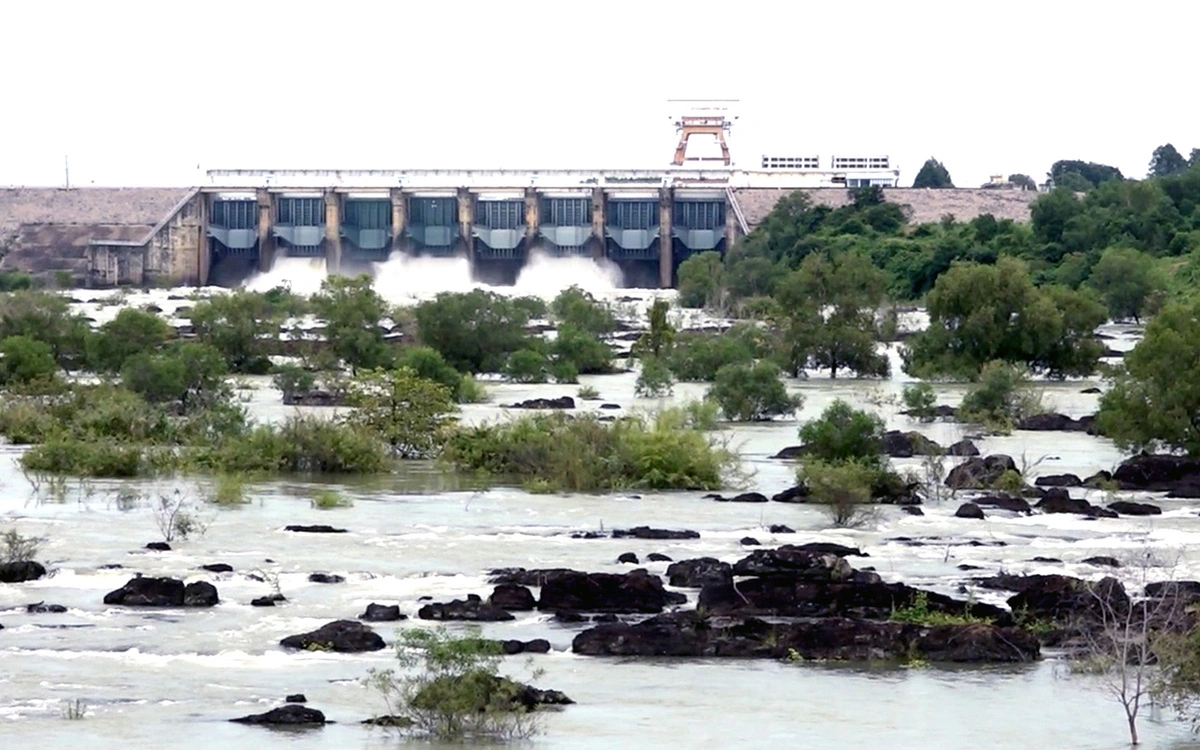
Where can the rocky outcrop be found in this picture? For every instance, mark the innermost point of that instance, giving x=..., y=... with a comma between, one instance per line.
x=790, y=453
x=217, y=568
x=963, y=447
x=815, y=561
x=562, y=402
x=1004, y=502
x=472, y=609
x=1060, y=598
x=342, y=636
x=1105, y=561
x=536, y=646
x=163, y=592
x=315, y=397
x=835, y=639
x=797, y=494
x=512, y=596
x=21, y=571
x=1130, y=508
x=979, y=473
x=658, y=557
x=291, y=715
x=1056, y=423
x=325, y=578
x=1058, y=480
x=1157, y=473
x=382, y=613
x=628, y=558
x=745, y=497
x=898, y=444
x=523, y=577
x=1057, y=500
x=645, y=532
x=699, y=572
x=969, y=510
x=633, y=592
x=319, y=528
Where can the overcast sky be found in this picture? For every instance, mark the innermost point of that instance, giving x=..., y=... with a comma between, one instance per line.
x=144, y=93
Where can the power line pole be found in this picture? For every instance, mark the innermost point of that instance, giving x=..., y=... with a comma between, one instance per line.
x=67, y=170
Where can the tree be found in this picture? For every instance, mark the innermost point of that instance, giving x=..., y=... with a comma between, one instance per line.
x=831, y=315
x=1023, y=181
x=242, y=326
x=24, y=360
x=131, y=332
x=1082, y=176
x=582, y=350
x=654, y=379
x=660, y=334
x=352, y=312
x=842, y=487
x=475, y=331
x=843, y=433
x=1194, y=158
x=406, y=411
x=527, y=366
x=1154, y=399
x=428, y=363
x=697, y=356
x=701, y=281
x=979, y=313
x=752, y=393
x=48, y=318
x=189, y=373
x=999, y=397
x=933, y=174
x=1166, y=161
x=1127, y=280
x=579, y=309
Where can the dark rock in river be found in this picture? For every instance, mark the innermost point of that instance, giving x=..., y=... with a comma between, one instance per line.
x=217, y=568
x=343, y=636
x=562, y=402
x=1055, y=423
x=296, y=698
x=778, y=528
x=694, y=574
x=325, y=578
x=657, y=557
x=536, y=646
x=979, y=473
x=1129, y=508
x=610, y=406
x=1058, y=480
x=1188, y=489
x=1157, y=473
x=1103, y=561
x=749, y=541
x=163, y=592
x=315, y=397
x=21, y=571
x=40, y=608
x=912, y=510
x=645, y=532
x=636, y=591
x=1189, y=591
x=523, y=577
x=587, y=535
x=292, y=715
x=1057, y=597
x=319, y=528
x=963, y=447
x=1058, y=501
x=797, y=494
x=834, y=638
x=158, y=547
x=790, y=453
x=471, y=609
x=1003, y=502
x=263, y=601
x=1041, y=559
x=1098, y=480
x=794, y=562
x=628, y=557
x=382, y=613
x=1091, y=390
x=512, y=596
x=745, y=497
x=969, y=510
x=897, y=444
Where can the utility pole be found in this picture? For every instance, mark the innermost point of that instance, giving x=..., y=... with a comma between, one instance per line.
x=67, y=170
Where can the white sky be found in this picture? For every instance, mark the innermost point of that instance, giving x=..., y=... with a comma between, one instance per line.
x=141, y=93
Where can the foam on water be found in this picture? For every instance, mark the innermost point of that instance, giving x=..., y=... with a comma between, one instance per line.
x=407, y=278
x=545, y=275
x=301, y=275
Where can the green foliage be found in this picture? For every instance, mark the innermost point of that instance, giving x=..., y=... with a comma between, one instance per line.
x=843, y=433
x=527, y=366
x=352, y=311
x=983, y=313
x=406, y=411
x=842, y=487
x=583, y=454
x=470, y=390
x=89, y=458
x=701, y=281
x=1000, y=397
x=450, y=689
x=920, y=401
x=11, y=281
x=654, y=379
x=1154, y=398
x=563, y=371
x=748, y=393
x=698, y=356
x=188, y=373
x=228, y=490
x=1166, y=160
x=46, y=317
x=294, y=379
x=25, y=360
x=429, y=363
x=660, y=334
x=1128, y=281
x=132, y=332
x=581, y=311
x=14, y=547
x=329, y=499
x=244, y=326
x=474, y=331
x=917, y=612
x=586, y=353
x=587, y=393
x=1023, y=181
x=300, y=445
x=933, y=174
x=1080, y=175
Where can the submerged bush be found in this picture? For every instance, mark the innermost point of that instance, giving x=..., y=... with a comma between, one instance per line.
x=566, y=453
x=654, y=379
x=843, y=433
x=749, y=393
x=88, y=458
x=842, y=487
x=1000, y=397
x=24, y=360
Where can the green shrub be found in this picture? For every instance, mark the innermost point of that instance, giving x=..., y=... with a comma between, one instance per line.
x=920, y=401
x=748, y=393
x=408, y=413
x=228, y=490
x=654, y=379
x=428, y=363
x=471, y=391
x=294, y=379
x=563, y=371
x=526, y=366
x=327, y=499
x=75, y=457
x=698, y=356
x=843, y=433
x=1000, y=397
x=25, y=360
x=131, y=332
x=575, y=308
x=14, y=547
x=301, y=445
x=842, y=487
x=917, y=612
x=587, y=393
x=475, y=331
x=586, y=353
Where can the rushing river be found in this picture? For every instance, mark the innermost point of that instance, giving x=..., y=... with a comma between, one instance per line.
x=173, y=678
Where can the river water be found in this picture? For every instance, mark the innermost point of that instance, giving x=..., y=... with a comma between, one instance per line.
x=157, y=678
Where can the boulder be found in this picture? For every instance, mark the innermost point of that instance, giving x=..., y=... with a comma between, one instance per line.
x=382, y=613
x=834, y=639
x=263, y=601
x=1156, y=473
x=1043, y=559
x=1129, y=508
x=797, y=494
x=523, y=577
x=628, y=557
x=749, y=541
x=1098, y=480
x=826, y=548
x=1003, y=502
x=699, y=572
x=315, y=397
x=610, y=406
x=1058, y=480
x=645, y=532
x=1065, y=599
x=1187, y=489
x=778, y=528
x=1188, y=590
x=21, y=571
x=291, y=715
x=633, y=592
x=562, y=402
x=158, y=547
x=1059, y=501
x=1091, y=390
x=898, y=444
x=163, y=592
x=912, y=510
x=657, y=557
x=1103, y=561
x=319, y=528
x=979, y=473
x=217, y=568
x=1053, y=423
x=325, y=578
x=41, y=608
x=342, y=636
x=794, y=563
x=536, y=646
x=963, y=447
x=969, y=510
x=512, y=596
x=471, y=609
x=790, y=453
x=745, y=497
x=296, y=698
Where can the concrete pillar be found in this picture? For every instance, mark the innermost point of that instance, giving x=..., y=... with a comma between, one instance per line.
x=466, y=221
x=731, y=226
x=203, y=251
x=532, y=218
x=399, y=218
x=333, y=232
x=598, y=239
x=666, y=243
x=266, y=241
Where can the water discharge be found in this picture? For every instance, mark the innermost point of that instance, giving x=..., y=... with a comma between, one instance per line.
x=546, y=275
x=406, y=278
x=301, y=275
